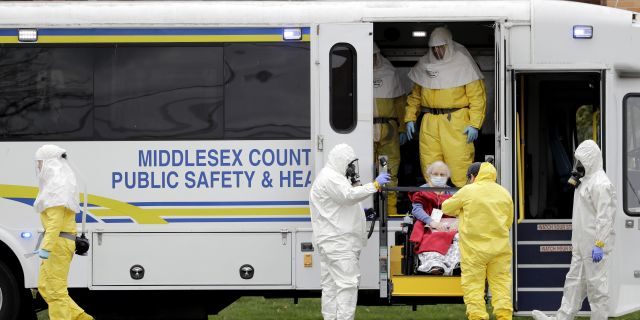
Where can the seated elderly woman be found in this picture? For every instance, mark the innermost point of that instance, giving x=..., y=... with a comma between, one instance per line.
x=435, y=235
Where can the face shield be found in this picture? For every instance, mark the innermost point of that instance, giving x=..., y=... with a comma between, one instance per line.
x=439, y=51
x=352, y=172
x=577, y=173
x=38, y=166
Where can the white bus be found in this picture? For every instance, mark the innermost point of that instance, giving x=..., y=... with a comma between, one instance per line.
x=199, y=126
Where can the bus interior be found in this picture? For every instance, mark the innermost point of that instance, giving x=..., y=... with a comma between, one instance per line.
x=399, y=45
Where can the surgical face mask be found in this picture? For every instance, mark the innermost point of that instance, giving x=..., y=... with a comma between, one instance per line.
x=438, y=181
x=352, y=172
x=577, y=173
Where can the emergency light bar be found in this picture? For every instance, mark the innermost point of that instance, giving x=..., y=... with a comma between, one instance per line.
x=582, y=32
x=292, y=34
x=27, y=35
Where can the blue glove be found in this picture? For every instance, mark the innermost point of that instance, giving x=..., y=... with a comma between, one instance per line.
x=597, y=254
x=472, y=134
x=42, y=253
x=411, y=129
x=403, y=138
x=383, y=178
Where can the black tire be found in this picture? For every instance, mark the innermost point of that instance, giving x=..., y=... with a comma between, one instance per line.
x=10, y=294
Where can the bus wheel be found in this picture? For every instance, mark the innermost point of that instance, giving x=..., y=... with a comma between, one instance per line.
x=10, y=294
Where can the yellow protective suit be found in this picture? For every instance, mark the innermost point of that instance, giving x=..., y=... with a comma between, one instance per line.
x=442, y=136
x=52, y=281
x=485, y=211
x=388, y=143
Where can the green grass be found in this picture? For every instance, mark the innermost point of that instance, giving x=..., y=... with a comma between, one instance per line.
x=309, y=309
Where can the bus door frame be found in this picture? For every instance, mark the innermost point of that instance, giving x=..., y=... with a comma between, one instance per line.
x=510, y=160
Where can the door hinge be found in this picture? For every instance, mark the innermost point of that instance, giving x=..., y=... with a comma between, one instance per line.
x=283, y=233
x=320, y=142
x=318, y=29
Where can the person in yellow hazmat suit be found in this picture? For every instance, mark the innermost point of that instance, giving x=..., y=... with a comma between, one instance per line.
x=388, y=112
x=57, y=203
x=485, y=211
x=450, y=91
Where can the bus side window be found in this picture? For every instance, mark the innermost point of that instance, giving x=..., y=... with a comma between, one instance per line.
x=631, y=160
x=342, y=88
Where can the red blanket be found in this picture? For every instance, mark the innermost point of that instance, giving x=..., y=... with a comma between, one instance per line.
x=429, y=200
x=427, y=240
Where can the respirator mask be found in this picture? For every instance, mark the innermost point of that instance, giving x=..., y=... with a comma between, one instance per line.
x=352, y=172
x=577, y=172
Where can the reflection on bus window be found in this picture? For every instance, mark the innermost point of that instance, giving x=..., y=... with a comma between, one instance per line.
x=632, y=151
x=342, y=88
x=258, y=91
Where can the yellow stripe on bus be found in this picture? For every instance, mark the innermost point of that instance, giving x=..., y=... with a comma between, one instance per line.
x=114, y=208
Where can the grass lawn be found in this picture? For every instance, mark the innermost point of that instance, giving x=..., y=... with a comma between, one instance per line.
x=309, y=309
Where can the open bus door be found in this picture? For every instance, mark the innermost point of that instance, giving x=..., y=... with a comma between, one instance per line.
x=554, y=109
x=343, y=59
x=342, y=77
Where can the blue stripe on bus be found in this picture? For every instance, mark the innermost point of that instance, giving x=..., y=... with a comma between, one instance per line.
x=117, y=220
x=183, y=220
x=90, y=219
x=220, y=203
x=160, y=32
x=8, y=32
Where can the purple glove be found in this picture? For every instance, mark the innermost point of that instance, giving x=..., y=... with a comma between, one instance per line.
x=383, y=178
x=597, y=254
x=42, y=253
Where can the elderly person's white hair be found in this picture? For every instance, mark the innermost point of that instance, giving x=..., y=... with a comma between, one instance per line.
x=438, y=165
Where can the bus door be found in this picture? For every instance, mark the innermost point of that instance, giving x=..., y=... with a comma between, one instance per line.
x=343, y=65
x=554, y=111
x=624, y=125
x=342, y=69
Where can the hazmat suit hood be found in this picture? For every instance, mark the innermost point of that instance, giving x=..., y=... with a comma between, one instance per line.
x=386, y=82
x=589, y=154
x=487, y=173
x=456, y=68
x=340, y=157
x=56, y=180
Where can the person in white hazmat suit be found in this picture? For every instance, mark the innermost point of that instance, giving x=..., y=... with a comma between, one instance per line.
x=592, y=237
x=339, y=230
x=57, y=203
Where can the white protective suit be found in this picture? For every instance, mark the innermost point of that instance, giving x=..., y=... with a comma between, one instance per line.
x=339, y=230
x=56, y=180
x=594, y=207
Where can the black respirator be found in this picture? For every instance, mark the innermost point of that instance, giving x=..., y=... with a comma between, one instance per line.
x=576, y=173
x=82, y=245
x=352, y=172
